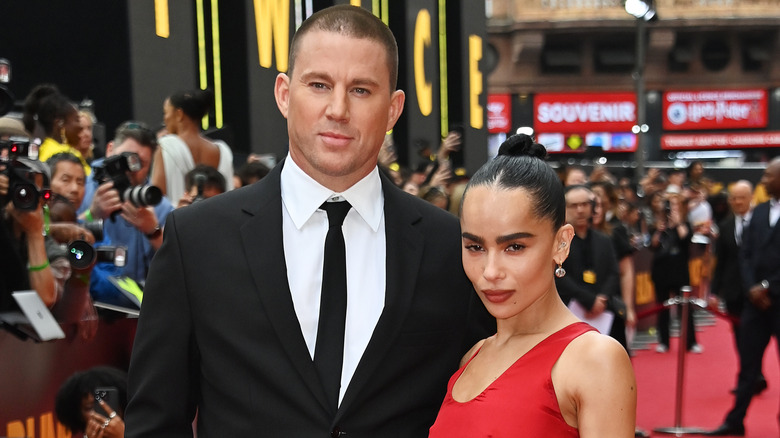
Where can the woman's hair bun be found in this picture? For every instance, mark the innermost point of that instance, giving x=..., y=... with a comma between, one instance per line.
x=522, y=145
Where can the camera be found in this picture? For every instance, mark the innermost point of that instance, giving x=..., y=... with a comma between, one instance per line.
x=14, y=148
x=199, y=180
x=95, y=227
x=22, y=190
x=82, y=255
x=115, y=169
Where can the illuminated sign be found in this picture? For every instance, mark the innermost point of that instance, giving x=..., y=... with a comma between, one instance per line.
x=584, y=112
x=721, y=109
x=499, y=113
x=721, y=141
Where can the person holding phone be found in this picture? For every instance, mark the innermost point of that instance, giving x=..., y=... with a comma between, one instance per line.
x=92, y=403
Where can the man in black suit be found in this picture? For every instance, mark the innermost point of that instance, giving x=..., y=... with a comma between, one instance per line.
x=727, y=281
x=760, y=319
x=592, y=275
x=231, y=315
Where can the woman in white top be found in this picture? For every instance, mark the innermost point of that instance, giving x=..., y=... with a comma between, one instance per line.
x=185, y=146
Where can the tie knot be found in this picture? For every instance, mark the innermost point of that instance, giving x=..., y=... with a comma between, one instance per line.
x=337, y=211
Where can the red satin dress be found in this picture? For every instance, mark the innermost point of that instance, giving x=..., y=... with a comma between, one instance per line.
x=520, y=403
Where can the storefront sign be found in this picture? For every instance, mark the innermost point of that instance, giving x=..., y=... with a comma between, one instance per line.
x=719, y=109
x=584, y=112
x=499, y=109
x=721, y=141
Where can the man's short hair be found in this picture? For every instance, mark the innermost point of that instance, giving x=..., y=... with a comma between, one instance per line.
x=138, y=131
x=213, y=178
x=351, y=21
x=56, y=159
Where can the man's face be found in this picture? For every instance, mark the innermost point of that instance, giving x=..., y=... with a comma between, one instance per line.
x=338, y=107
x=771, y=179
x=144, y=153
x=68, y=181
x=739, y=199
x=578, y=208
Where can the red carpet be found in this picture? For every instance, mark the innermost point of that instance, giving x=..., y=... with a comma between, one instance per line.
x=709, y=377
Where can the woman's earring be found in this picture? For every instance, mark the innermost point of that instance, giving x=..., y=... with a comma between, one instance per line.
x=63, y=136
x=559, y=271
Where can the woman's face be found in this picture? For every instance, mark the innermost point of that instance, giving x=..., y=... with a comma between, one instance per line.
x=658, y=203
x=169, y=117
x=85, y=135
x=508, y=253
x=598, y=211
x=72, y=126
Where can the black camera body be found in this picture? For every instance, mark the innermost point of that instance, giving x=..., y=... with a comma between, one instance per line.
x=17, y=167
x=116, y=168
x=199, y=180
x=82, y=255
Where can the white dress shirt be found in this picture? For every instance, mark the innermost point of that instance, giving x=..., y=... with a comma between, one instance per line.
x=304, y=227
x=774, y=211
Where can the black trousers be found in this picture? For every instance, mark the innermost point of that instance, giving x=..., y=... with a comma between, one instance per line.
x=756, y=329
x=662, y=293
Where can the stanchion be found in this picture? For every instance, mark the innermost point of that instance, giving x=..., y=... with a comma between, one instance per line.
x=678, y=430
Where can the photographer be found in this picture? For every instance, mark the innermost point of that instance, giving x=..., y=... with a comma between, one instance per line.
x=670, y=243
x=133, y=223
x=67, y=181
x=24, y=263
x=202, y=182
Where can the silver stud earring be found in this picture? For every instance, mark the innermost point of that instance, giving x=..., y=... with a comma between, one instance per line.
x=559, y=271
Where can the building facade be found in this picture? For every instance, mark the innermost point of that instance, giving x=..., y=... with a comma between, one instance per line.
x=702, y=77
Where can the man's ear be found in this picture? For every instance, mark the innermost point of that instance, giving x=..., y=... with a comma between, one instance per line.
x=110, y=148
x=282, y=93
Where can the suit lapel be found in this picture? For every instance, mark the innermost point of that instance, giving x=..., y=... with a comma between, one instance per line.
x=263, y=245
x=761, y=213
x=404, y=256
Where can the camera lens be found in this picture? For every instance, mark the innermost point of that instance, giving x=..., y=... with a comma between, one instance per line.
x=25, y=196
x=80, y=254
x=142, y=196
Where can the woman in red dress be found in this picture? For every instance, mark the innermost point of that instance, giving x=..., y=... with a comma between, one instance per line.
x=544, y=373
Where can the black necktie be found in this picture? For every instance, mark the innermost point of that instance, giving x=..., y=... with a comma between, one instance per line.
x=329, y=349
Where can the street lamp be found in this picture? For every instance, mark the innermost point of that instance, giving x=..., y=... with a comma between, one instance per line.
x=643, y=11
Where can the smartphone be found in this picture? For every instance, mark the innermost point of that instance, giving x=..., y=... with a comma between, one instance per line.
x=110, y=395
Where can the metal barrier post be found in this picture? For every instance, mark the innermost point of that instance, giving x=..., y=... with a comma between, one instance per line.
x=682, y=349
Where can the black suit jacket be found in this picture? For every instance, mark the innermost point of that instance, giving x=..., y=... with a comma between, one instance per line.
x=760, y=255
x=218, y=331
x=727, y=280
x=601, y=260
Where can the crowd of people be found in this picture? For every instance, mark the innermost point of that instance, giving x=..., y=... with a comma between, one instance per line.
x=481, y=280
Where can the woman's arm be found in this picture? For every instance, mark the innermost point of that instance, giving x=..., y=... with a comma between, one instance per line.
x=596, y=387
x=158, y=171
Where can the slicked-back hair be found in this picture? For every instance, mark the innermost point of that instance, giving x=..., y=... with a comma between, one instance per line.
x=525, y=169
x=354, y=22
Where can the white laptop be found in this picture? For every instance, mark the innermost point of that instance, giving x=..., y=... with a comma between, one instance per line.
x=38, y=316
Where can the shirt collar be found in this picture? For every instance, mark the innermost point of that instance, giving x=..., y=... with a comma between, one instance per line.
x=302, y=195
